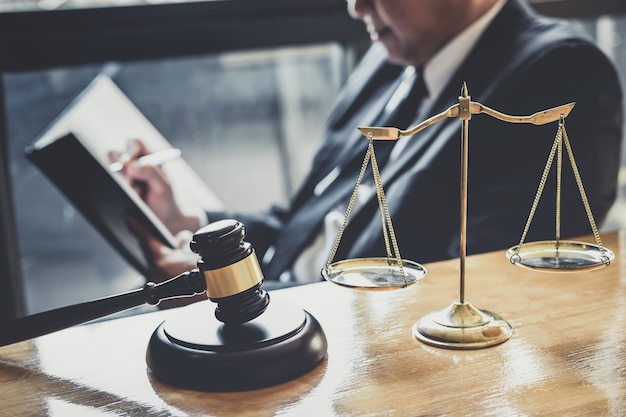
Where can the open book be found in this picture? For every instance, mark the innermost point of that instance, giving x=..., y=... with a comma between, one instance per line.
x=73, y=152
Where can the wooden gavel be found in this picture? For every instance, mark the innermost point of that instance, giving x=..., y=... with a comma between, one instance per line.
x=228, y=271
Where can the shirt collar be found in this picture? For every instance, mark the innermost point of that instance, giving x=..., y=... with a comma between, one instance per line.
x=439, y=69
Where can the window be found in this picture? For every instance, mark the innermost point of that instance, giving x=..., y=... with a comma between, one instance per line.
x=248, y=122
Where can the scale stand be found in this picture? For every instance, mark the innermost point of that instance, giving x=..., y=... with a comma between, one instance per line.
x=461, y=325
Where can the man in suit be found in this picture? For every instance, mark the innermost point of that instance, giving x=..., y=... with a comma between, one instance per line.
x=512, y=60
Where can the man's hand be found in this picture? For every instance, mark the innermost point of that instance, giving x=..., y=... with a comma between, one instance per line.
x=154, y=188
x=169, y=262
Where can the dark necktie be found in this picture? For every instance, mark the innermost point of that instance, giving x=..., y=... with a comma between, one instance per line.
x=305, y=223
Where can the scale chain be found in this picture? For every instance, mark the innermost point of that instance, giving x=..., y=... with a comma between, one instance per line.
x=333, y=252
x=583, y=195
x=384, y=213
x=387, y=226
x=542, y=183
x=559, y=171
x=557, y=148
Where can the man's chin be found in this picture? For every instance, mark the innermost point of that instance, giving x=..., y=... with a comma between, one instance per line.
x=393, y=56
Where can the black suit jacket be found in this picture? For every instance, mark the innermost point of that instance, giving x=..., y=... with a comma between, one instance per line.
x=523, y=63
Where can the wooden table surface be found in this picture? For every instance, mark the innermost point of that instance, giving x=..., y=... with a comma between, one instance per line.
x=567, y=356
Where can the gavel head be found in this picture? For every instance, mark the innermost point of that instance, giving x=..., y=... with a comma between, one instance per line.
x=231, y=270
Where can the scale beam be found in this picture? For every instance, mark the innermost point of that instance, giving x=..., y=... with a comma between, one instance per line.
x=539, y=118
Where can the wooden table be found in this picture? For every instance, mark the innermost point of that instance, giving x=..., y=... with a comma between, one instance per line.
x=567, y=355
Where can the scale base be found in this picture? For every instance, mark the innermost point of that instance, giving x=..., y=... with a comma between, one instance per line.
x=462, y=326
x=194, y=350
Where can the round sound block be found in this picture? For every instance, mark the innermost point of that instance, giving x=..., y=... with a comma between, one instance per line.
x=195, y=350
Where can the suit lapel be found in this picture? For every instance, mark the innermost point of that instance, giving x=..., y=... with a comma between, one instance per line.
x=355, y=144
x=362, y=101
x=359, y=87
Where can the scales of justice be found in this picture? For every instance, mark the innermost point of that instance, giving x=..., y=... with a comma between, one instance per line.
x=461, y=325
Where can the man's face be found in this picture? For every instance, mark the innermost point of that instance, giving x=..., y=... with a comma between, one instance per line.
x=412, y=31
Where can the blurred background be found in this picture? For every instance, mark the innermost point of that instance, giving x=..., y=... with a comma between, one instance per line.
x=242, y=87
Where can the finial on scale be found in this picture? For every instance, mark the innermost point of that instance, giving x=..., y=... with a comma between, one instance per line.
x=465, y=104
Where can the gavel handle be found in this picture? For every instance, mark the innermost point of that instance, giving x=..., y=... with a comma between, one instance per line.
x=184, y=285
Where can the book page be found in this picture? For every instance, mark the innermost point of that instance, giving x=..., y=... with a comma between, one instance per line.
x=104, y=118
